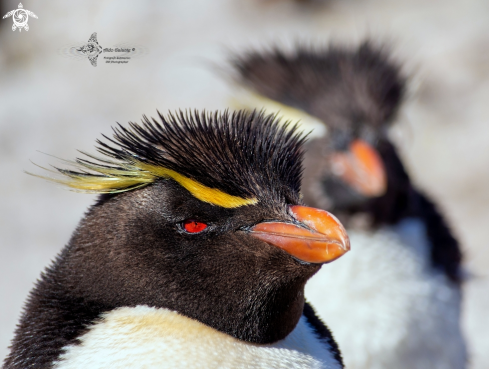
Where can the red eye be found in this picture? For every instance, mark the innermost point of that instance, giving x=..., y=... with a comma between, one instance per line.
x=192, y=226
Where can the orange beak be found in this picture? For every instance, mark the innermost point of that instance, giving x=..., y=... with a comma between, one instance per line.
x=362, y=168
x=318, y=238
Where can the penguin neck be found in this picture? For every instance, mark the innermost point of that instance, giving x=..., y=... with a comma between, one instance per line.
x=262, y=313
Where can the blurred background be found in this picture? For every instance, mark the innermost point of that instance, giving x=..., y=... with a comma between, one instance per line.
x=54, y=102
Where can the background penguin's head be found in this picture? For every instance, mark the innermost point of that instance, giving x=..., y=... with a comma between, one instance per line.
x=201, y=213
x=355, y=93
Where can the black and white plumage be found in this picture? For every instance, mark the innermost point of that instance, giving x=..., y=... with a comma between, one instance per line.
x=137, y=286
x=395, y=300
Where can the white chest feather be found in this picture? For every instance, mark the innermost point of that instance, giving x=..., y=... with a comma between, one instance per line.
x=387, y=307
x=144, y=337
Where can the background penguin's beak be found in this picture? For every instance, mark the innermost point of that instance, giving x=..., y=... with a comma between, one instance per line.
x=318, y=237
x=361, y=168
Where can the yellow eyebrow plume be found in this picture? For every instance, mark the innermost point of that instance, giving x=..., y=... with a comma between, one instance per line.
x=131, y=175
x=198, y=190
x=246, y=99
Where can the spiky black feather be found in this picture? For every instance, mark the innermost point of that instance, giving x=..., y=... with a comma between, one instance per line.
x=247, y=154
x=336, y=84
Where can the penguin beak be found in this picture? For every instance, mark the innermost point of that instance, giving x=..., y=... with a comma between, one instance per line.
x=317, y=237
x=362, y=168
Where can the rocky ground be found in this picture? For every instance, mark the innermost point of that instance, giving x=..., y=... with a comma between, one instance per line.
x=54, y=102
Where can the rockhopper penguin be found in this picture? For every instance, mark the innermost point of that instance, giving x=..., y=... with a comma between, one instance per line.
x=195, y=255
x=395, y=301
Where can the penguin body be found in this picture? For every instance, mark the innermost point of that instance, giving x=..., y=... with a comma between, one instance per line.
x=177, y=253
x=400, y=288
x=144, y=337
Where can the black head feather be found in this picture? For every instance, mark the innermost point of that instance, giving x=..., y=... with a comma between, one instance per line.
x=246, y=154
x=341, y=86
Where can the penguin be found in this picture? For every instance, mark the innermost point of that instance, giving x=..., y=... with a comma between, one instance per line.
x=195, y=254
x=395, y=301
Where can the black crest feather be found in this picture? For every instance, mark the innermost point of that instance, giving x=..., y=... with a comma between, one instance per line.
x=246, y=154
x=336, y=84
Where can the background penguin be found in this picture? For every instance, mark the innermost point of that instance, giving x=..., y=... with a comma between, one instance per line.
x=196, y=254
x=395, y=301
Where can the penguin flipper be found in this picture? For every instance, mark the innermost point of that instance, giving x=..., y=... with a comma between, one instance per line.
x=322, y=331
x=445, y=249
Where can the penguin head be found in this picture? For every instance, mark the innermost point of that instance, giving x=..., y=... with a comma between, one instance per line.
x=354, y=93
x=201, y=214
